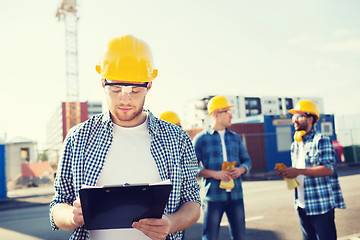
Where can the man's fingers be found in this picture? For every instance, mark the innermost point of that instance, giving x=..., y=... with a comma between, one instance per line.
x=77, y=203
x=235, y=173
x=226, y=178
x=153, y=228
x=77, y=211
x=78, y=218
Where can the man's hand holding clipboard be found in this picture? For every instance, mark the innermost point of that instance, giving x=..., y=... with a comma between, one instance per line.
x=112, y=207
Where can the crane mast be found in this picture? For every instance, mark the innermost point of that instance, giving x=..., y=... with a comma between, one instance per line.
x=67, y=12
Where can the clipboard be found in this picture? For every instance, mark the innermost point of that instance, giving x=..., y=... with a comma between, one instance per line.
x=119, y=206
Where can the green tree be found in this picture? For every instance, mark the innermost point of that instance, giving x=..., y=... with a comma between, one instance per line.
x=43, y=157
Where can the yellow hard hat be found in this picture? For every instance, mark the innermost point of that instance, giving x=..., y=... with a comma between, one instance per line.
x=127, y=59
x=306, y=106
x=170, y=117
x=217, y=102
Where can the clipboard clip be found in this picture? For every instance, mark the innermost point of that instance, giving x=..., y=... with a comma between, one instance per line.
x=136, y=184
x=128, y=185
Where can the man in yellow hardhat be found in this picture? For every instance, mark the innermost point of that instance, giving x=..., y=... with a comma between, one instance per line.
x=171, y=117
x=223, y=160
x=127, y=144
x=314, y=166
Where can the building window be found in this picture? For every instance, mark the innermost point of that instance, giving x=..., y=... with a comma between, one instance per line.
x=24, y=154
x=288, y=104
x=253, y=106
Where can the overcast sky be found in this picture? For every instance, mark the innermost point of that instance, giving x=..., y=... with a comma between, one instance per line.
x=200, y=47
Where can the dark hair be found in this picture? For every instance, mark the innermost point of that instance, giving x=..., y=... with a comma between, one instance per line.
x=314, y=118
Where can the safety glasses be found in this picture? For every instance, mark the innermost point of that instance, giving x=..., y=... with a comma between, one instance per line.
x=131, y=89
x=300, y=116
x=227, y=111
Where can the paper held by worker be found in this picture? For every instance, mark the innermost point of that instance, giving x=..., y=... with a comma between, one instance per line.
x=291, y=183
x=225, y=167
x=112, y=207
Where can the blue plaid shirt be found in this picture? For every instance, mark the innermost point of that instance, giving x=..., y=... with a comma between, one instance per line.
x=85, y=149
x=321, y=193
x=208, y=149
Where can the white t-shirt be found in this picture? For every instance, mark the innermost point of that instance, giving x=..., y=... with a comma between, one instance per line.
x=300, y=163
x=128, y=161
x=222, y=136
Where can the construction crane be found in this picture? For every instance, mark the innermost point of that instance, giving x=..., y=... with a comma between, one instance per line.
x=67, y=11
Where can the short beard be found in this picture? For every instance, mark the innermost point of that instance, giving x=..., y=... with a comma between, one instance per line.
x=126, y=117
x=302, y=127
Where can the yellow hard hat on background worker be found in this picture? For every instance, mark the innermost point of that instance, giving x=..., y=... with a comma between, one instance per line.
x=127, y=59
x=170, y=117
x=306, y=106
x=217, y=102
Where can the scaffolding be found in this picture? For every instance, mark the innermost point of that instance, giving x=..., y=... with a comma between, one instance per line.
x=67, y=12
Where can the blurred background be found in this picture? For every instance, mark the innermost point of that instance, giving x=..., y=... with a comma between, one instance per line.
x=264, y=56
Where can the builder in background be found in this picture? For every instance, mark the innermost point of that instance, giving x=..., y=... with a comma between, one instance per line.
x=171, y=117
x=314, y=166
x=127, y=144
x=222, y=188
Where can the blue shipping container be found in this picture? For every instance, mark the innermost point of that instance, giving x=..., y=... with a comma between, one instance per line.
x=3, y=194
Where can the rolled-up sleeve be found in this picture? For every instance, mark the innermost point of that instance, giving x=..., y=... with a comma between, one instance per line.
x=64, y=188
x=198, y=152
x=244, y=157
x=191, y=187
x=326, y=153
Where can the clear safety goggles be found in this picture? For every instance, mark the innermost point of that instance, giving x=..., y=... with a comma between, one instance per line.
x=131, y=89
x=299, y=116
x=231, y=111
